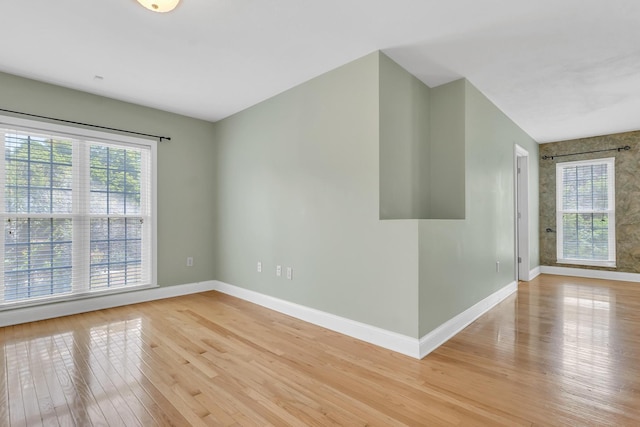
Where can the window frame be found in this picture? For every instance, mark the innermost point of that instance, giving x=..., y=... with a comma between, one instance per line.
x=88, y=136
x=560, y=168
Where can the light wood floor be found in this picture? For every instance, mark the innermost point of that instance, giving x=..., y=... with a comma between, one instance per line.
x=563, y=351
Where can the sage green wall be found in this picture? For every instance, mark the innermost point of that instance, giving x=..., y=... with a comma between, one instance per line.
x=404, y=143
x=447, y=142
x=627, y=193
x=458, y=257
x=296, y=181
x=298, y=185
x=186, y=180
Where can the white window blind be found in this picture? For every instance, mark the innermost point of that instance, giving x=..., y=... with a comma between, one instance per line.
x=77, y=210
x=585, y=208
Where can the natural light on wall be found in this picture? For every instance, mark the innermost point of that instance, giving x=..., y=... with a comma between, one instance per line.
x=77, y=208
x=159, y=5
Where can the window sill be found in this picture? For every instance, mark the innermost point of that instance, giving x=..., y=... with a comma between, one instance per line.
x=589, y=263
x=71, y=297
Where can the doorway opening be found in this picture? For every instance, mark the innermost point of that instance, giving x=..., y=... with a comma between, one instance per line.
x=521, y=197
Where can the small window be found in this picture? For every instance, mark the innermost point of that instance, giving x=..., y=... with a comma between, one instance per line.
x=77, y=207
x=585, y=212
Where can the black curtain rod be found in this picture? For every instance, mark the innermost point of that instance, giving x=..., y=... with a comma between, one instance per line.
x=625, y=148
x=158, y=137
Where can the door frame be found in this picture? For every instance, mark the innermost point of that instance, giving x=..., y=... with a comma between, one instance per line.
x=521, y=212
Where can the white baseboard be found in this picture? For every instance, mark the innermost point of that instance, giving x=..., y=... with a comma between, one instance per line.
x=591, y=274
x=371, y=334
x=447, y=330
x=534, y=273
x=15, y=316
x=381, y=337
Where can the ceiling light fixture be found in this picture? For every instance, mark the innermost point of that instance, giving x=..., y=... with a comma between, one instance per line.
x=159, y=5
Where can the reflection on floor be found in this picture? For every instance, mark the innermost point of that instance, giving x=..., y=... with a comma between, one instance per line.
x=563, y=351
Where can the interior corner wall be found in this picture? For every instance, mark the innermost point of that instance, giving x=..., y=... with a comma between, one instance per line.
x=298, y=186
x=185, y=176
x=447, y=151
x=458, y=257
x=404, y=143
x=627, y=194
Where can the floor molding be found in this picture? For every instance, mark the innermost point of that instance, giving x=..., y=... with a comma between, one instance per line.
x=413, y=347
x=535, y=272
x=371, y=334
x=447, y=330
x=591, y=274
x=14, y=316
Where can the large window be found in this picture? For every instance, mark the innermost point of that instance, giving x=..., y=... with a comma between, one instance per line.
x=78, y=212
x=585, y=209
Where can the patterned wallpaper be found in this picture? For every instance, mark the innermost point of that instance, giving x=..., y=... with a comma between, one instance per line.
x=627, y=192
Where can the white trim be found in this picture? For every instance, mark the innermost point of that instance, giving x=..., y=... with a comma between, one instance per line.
x=535, y=272
x=41, y=312
x=2, y=201
x=561, y=167
x=592, y=274
x=399, y=343
x=447, y=330
x=371, y=334
x=82, y=140
x=592, y=263
x=521, y=207
x=381, y=337
x=154, y=214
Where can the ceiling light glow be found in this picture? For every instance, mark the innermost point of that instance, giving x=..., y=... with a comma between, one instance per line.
x=159, y=5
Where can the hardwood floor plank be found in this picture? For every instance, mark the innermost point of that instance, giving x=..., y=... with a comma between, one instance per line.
x=104, y=339
x=4, y=380
x=36, y=360
x=131, y=366
x=29, y=396
x=17, y=416
x=47, y=353
x=160, y=371
x=53, y=407
x=72, y=370
x=562, y=351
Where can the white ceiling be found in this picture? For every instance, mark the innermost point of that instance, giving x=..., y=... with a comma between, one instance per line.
x=560, y=69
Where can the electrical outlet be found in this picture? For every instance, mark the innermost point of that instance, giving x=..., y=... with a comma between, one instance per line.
x=278, y=270
x=289, y=273
x=190, y=261
x=259, y=268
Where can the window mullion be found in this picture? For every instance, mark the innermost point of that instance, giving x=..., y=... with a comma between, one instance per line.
x=81, y=221
x=145, y=213
x=611, y=204
x=3, y=217
x=559, y=213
